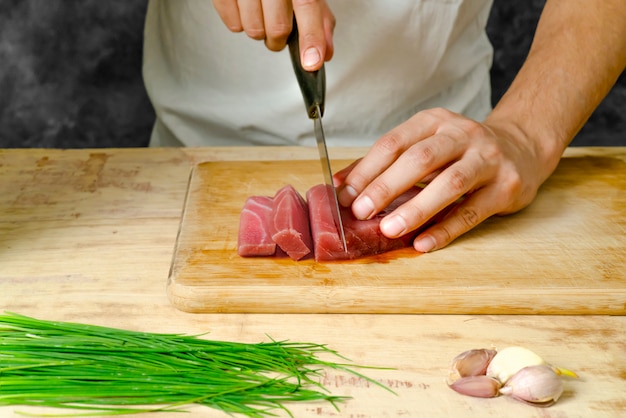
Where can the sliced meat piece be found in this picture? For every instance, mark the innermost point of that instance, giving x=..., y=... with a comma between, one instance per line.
x=326, y=241
x=362, y=237
x=290, y=223
x=255, y=238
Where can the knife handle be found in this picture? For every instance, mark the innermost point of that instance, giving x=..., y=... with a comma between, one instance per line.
x=312, y=83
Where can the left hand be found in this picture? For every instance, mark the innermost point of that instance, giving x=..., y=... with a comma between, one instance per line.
x=496, y=168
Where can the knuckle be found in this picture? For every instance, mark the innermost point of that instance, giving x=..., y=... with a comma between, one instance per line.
x=514, y=183
x=389, y=144
x=274, y=46
x=468, y=217
x=458, y=181
x=443, y=112
x=414, y=214
x=379, y=191
x=512, y=187
x=424, y=155
x=491, y=154
x=437, y=113
x=516, y=194
x=311, y=38
x=464, y=219
x=357, y=181
x=471, y=127
x=442, y=235
x=255, y=33
x=352, y=175
x=278, y=32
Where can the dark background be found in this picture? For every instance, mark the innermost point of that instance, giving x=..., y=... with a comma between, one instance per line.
x=70, y=73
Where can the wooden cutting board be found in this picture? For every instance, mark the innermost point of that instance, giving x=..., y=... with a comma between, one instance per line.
x=565, y=254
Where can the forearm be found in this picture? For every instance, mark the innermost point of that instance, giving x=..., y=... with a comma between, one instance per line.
x=578, y=52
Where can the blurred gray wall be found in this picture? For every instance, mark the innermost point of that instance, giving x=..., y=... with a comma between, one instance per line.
x=70, y=73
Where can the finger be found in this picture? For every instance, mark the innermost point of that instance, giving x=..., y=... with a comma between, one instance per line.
x=340, y=176
x=277, y=19
x=251, y=15
x=379, y=157
x=312, y=38
x=467, y=215
x=461, y=177
x=383, y=153
x=339, y=179
x=411, y=167
x=229, y=13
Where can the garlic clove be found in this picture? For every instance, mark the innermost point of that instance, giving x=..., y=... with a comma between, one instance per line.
x=510, y=360
x=534, y=385
x=477, y=386
x=470, y=363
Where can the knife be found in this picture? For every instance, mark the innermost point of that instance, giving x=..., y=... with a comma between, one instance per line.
x=313, y=87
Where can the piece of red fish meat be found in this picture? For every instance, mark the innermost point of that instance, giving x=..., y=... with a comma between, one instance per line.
x=363, y=237
x=255, y=228
x=290, y=223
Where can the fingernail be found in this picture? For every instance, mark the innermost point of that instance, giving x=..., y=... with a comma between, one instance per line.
x=363, y=207
x=310, y=58
x=347, y=196
x=393, y=226
x=425, y=244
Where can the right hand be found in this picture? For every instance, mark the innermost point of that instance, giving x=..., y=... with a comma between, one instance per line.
x=271, y=21
x=494, y=164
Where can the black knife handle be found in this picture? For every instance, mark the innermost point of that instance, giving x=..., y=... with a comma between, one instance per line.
x=312, y=83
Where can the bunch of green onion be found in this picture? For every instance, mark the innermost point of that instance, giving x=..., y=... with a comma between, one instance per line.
x=110, y=371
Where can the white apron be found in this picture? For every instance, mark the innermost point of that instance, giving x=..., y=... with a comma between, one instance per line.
x=392, y=58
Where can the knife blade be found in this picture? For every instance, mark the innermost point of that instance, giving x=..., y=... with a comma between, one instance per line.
x=313, y=88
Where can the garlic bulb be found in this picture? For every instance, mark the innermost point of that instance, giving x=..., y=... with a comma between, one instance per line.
x=510, y=360
x=513, y=371
x=470, y=363
x=534, y=385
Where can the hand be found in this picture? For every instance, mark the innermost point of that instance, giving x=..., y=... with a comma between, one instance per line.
x=271, y=21
x=497, y=170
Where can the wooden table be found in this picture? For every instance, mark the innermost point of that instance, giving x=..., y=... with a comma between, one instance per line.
x=88, y=236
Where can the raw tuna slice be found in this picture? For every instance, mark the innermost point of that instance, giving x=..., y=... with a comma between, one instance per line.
x=363, y=237
x=255, y=238
x=290, y=223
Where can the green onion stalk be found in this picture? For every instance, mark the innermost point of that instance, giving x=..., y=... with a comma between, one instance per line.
x=96, y=370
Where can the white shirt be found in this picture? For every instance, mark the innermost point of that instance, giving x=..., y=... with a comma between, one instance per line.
x=392, y=58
